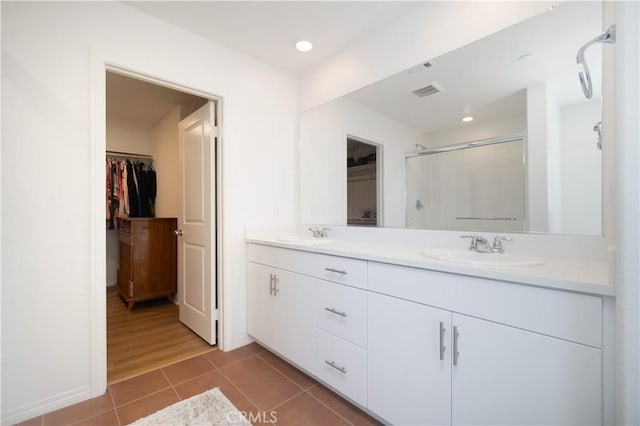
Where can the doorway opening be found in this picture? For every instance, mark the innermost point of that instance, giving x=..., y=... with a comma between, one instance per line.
x=162, y=189
x=364, y=183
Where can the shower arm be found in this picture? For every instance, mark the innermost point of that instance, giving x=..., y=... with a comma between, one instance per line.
x=608, y=36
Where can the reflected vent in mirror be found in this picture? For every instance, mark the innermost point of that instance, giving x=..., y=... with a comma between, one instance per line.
x=429, y=90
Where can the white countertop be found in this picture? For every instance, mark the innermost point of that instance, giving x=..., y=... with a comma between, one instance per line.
x=590, y=277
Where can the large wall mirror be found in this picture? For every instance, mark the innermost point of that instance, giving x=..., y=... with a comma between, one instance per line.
x=527, y=161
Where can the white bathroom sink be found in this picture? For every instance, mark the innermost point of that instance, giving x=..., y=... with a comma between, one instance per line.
x=486, y=259
x=305, y=240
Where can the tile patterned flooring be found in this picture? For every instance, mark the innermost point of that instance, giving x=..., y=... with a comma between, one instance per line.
x=254, y=380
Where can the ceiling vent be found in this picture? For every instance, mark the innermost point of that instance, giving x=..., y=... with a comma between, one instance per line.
x=429, y=90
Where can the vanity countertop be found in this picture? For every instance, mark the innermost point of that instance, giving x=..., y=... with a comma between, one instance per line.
x=588, y=277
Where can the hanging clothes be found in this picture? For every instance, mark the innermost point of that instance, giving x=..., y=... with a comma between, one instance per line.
x=131, y=189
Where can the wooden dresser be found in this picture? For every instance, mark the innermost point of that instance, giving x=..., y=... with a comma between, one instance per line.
x=148, y=259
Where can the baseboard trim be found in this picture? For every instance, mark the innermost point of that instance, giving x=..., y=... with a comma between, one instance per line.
x=243, y=341
x=46, y=405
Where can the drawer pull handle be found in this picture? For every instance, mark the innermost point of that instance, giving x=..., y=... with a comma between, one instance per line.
x=334, y=311
x=442, y=346
x=333, y=364
x=455, y=345
x=337, y=271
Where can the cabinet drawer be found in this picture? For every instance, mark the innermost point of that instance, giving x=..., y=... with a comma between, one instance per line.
x=338, y=269
x=342, y=366
x=570, y=316
x=342, y=311
x=341, y=270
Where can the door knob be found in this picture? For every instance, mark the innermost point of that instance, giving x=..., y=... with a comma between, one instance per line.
x=178, y=232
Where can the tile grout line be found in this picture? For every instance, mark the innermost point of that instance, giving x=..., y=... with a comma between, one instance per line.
x=113, y=402
x=143, y=397
x=281, y=373
x=231, y=363
x=194, y=377
x=171, y=384
x=330, y=409
x=99, y=413
x=237, y=387
x=275, y=407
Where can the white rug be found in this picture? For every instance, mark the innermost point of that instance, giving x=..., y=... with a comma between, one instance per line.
x=207, y=409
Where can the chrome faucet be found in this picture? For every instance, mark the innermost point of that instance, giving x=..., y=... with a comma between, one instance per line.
x=319, y=233
x=481, y=245
x=497, y=244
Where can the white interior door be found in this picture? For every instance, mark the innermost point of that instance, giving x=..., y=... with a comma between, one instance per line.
x=196, y=223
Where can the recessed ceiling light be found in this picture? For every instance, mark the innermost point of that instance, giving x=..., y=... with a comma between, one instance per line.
x=304, y=45
x=467, y=119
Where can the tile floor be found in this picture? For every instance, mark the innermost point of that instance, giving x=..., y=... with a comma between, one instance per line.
x=253, y=379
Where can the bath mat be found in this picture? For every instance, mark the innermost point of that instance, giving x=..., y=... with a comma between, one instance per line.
x=206, y=409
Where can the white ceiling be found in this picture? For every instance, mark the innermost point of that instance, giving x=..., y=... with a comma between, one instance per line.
x=486, y=79
x=267, y=30
x=137, y=105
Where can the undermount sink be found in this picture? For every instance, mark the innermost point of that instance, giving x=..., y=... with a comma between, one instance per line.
x=486, y=259
x=305, y=240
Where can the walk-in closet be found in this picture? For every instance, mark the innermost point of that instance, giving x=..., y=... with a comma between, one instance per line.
x=143, y=196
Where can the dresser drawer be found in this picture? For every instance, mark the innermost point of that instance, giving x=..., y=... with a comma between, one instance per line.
x=125, y=236
x=342, y=366
x=342, y=311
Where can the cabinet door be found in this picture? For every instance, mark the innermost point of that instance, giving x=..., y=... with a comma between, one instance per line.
x=505, y=375
x=261, y=304
x=295, y=318
x=408, y=382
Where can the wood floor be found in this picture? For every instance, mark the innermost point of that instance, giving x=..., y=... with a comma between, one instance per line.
x=148, y=337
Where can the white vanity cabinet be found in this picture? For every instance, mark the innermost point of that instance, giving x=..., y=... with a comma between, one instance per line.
x=507, y=376
x=283, y=289
x=491, y=373
x=281, y=312
x=409, y=369
x=417, y=346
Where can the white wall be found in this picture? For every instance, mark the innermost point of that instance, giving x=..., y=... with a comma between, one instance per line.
x=323, y=159
x=127, y=140
x=469, y=133
x=46, y=218
x=164, y=147
x=537, y=167
x=581, y=169
x=627, y=102
x=424, y=33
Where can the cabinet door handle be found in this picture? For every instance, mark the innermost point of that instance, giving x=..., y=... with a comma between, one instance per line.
x=333, y=364
x=442, y=347
x=334, y=311
x=455, y=345
x=337, y=271
x=270, y=284
x=275, y=285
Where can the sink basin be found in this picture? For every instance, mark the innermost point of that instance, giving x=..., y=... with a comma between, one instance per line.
x=305, y=240
x=485, y=259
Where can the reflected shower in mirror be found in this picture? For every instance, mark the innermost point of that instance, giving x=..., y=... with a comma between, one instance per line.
x=477, y=186
x=519, y=81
